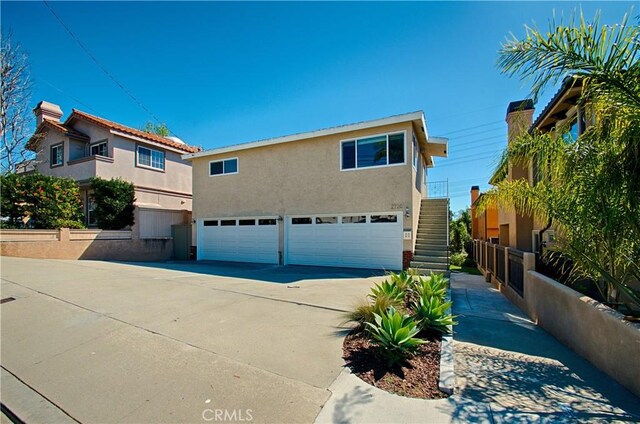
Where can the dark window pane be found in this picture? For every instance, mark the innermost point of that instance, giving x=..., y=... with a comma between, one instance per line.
x=230, y=166
x=210, y=223
x=266, y=222
x=144, y=156
x=228, y=222
x=384, y=218
x=297, y=221
x=247, y=222
x=215, y=168
x=349, y=155
x=354, y=219
x=372, y=151
x=326, y=220
x=396, y=148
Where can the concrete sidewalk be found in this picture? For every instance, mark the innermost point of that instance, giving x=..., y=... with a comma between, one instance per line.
x=507, y=370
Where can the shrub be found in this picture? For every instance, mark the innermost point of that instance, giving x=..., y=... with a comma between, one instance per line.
x=403, y=280
x=432, y=287
x=365, y=310
x=48, y=202
x=387, y=288
x=394, y=334
x=431, y=314
x=113, y=201
x=458, y=259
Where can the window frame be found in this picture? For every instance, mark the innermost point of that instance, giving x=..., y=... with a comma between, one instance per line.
x=96, y=144
x=151, y=167
x=355, y=140
x=237, y=171
x=416, y=152
x=53, y=146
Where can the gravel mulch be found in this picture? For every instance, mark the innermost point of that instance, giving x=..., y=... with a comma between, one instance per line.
x=416, y=378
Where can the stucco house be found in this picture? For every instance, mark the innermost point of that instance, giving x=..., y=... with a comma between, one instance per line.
x=347, y=196
x=563, y=111
x=85, y=146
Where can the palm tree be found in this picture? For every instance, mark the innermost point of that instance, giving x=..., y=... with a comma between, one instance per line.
x=588, y=188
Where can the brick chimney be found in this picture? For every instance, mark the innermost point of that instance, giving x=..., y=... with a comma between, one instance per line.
x=519, y=118
x=475, y=193
x=49, y=111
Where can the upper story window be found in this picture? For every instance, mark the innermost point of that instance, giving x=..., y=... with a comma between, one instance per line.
x=226, y=166
x=379, y=150
x=577, y=127
x=99, y=149
x=150, y=158
x=57, y=155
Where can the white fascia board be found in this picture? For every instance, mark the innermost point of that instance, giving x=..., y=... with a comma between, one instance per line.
x=412, y=116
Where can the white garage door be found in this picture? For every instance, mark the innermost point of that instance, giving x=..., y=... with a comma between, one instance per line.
x=364, y=240
x=238, y=239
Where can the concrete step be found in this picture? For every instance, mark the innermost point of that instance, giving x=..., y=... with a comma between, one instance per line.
x=431, y=259
x=430, y=265
x=432, y=247
x=431, y=238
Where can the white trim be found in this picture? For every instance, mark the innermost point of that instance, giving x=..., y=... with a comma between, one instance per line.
x=404, y=150
x=225, y=173
x=412, y=116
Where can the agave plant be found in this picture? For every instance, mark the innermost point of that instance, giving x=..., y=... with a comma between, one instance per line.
x=431, y=313
x=364, y=311
x=389, y=289
x=403, y=280
x=394, y=334
x=436, y=286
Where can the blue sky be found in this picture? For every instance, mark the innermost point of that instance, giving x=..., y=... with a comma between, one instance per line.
x=225, y=73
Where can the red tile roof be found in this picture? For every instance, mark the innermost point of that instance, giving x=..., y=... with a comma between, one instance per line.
x=77, y=114
x=47, y=123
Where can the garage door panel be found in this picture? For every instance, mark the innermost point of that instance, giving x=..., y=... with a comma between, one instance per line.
x=239, y=243
x=359, y=245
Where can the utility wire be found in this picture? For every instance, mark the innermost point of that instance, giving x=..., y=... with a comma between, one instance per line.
x=471, y=128
x=68, y=95
x=107, y=73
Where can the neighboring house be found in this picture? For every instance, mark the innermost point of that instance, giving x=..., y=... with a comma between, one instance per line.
x=484, y=226
x=86, y=146
x=562, y=111
x=346, y=196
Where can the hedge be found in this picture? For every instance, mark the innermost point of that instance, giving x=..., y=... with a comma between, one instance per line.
x=113, y=203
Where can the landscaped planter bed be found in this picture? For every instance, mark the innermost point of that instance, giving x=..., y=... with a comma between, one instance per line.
x=418, y=377
x=397, y=342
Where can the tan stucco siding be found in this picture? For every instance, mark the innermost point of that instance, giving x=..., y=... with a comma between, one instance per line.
x=303, y=177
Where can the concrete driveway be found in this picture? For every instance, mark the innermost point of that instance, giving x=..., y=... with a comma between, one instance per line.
x=183, y=342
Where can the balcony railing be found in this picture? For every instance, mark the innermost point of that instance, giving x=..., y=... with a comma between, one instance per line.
x=438, y=189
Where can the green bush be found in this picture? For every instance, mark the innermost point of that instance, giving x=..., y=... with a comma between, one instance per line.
x=387, y=288
x=458, y=259
x=403, y=280
x=394, y=334
x=113, y=200
x=47, y=202
x=432, y=287
x=431, y=314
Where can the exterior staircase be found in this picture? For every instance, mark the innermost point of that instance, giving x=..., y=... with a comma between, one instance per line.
x=431, y=252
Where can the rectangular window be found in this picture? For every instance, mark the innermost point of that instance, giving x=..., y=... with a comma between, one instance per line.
x=266, y=222
x=211, y=223
x=99, y=149
x=57, y=155
x=326, y=219
x=299, y=221
x=373, y=151
x=384, y=218
x=247, y=222
x=91, y=214
x=220, y=167
x=354, y=219
x=150, y=158
x=228, y=222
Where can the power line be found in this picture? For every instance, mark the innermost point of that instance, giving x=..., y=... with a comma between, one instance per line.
x=107, y=73
x=472, y=128
x=68, y=95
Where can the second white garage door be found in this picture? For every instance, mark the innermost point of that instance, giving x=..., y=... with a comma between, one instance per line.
x=239, y=239
x=354, y=240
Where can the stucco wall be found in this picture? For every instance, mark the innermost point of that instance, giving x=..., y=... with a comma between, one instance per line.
x=84, y=244
x=304, y=177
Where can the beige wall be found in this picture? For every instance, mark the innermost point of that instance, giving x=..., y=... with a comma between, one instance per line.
x=170, y=189
x=84, y=244
x=304, y=177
